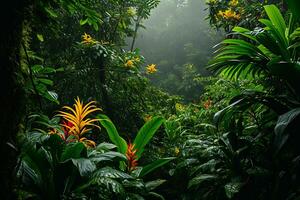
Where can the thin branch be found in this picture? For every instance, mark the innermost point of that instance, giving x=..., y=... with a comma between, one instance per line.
x=31, y=76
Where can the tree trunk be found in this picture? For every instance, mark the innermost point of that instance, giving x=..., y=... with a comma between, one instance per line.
x=11, y=91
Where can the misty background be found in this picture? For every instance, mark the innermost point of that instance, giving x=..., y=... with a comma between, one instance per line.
x=178, y=39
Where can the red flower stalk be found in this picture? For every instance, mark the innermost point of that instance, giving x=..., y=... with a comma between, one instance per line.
x=131, y=157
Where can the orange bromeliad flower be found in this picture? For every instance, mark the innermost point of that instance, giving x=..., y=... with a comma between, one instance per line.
x=207, y=104
x=131, y=157
x=76, y=123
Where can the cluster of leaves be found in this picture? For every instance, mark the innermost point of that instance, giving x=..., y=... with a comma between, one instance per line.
x=55, y=167
x=228, y=14
x=250, y=150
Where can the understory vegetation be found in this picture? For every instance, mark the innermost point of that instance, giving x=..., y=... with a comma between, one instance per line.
x=93, y=111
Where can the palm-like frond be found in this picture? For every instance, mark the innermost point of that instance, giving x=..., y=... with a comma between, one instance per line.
x=260, y=52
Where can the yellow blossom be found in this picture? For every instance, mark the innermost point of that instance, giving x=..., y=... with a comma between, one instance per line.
x=147, y=118
x=151, y=69
x=129, y=64
x=233, y=3
x=87, y=39
x=176, y=151
x=179, y=107
x=137, y=59
x=229, y=14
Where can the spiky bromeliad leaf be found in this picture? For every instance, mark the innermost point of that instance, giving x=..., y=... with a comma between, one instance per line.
x=113, y=133
x=146, y=133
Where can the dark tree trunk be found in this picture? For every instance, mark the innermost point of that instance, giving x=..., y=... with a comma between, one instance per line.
x=11, y=13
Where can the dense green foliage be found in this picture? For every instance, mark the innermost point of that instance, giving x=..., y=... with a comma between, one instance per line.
x=230, y=135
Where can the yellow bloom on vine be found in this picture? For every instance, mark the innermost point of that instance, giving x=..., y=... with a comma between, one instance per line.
x=129, y=64
x=147, y=118
x=229, y=14
x=179, y=107
x=77, y=122
x=151, y=69
x=137, y=59
x=87, y=39
x=233, y=3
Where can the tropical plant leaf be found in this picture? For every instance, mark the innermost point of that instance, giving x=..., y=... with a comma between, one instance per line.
x=284, y=121
x=200, y=179
x=109, y=172
x=113, y=133
x=85, y=166
x=146, y=133
x=73, y=150
x=154, y=165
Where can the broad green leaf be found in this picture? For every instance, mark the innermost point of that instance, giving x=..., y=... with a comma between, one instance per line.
x=200, y=179
x=107, y=156
x=109, y=172
x=146, y=133
x=73, y=150
x=113, y=133
x=154, y=165
x=84, y=166
x=284, y=121
x=276, y=18
x=151, y=185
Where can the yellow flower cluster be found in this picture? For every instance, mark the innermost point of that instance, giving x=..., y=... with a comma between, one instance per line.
x=130, y=63
x=233, y=3
x=147, y=118
x=229, y=14
x=179, y=107
x=87, y=39
x=151, y=69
